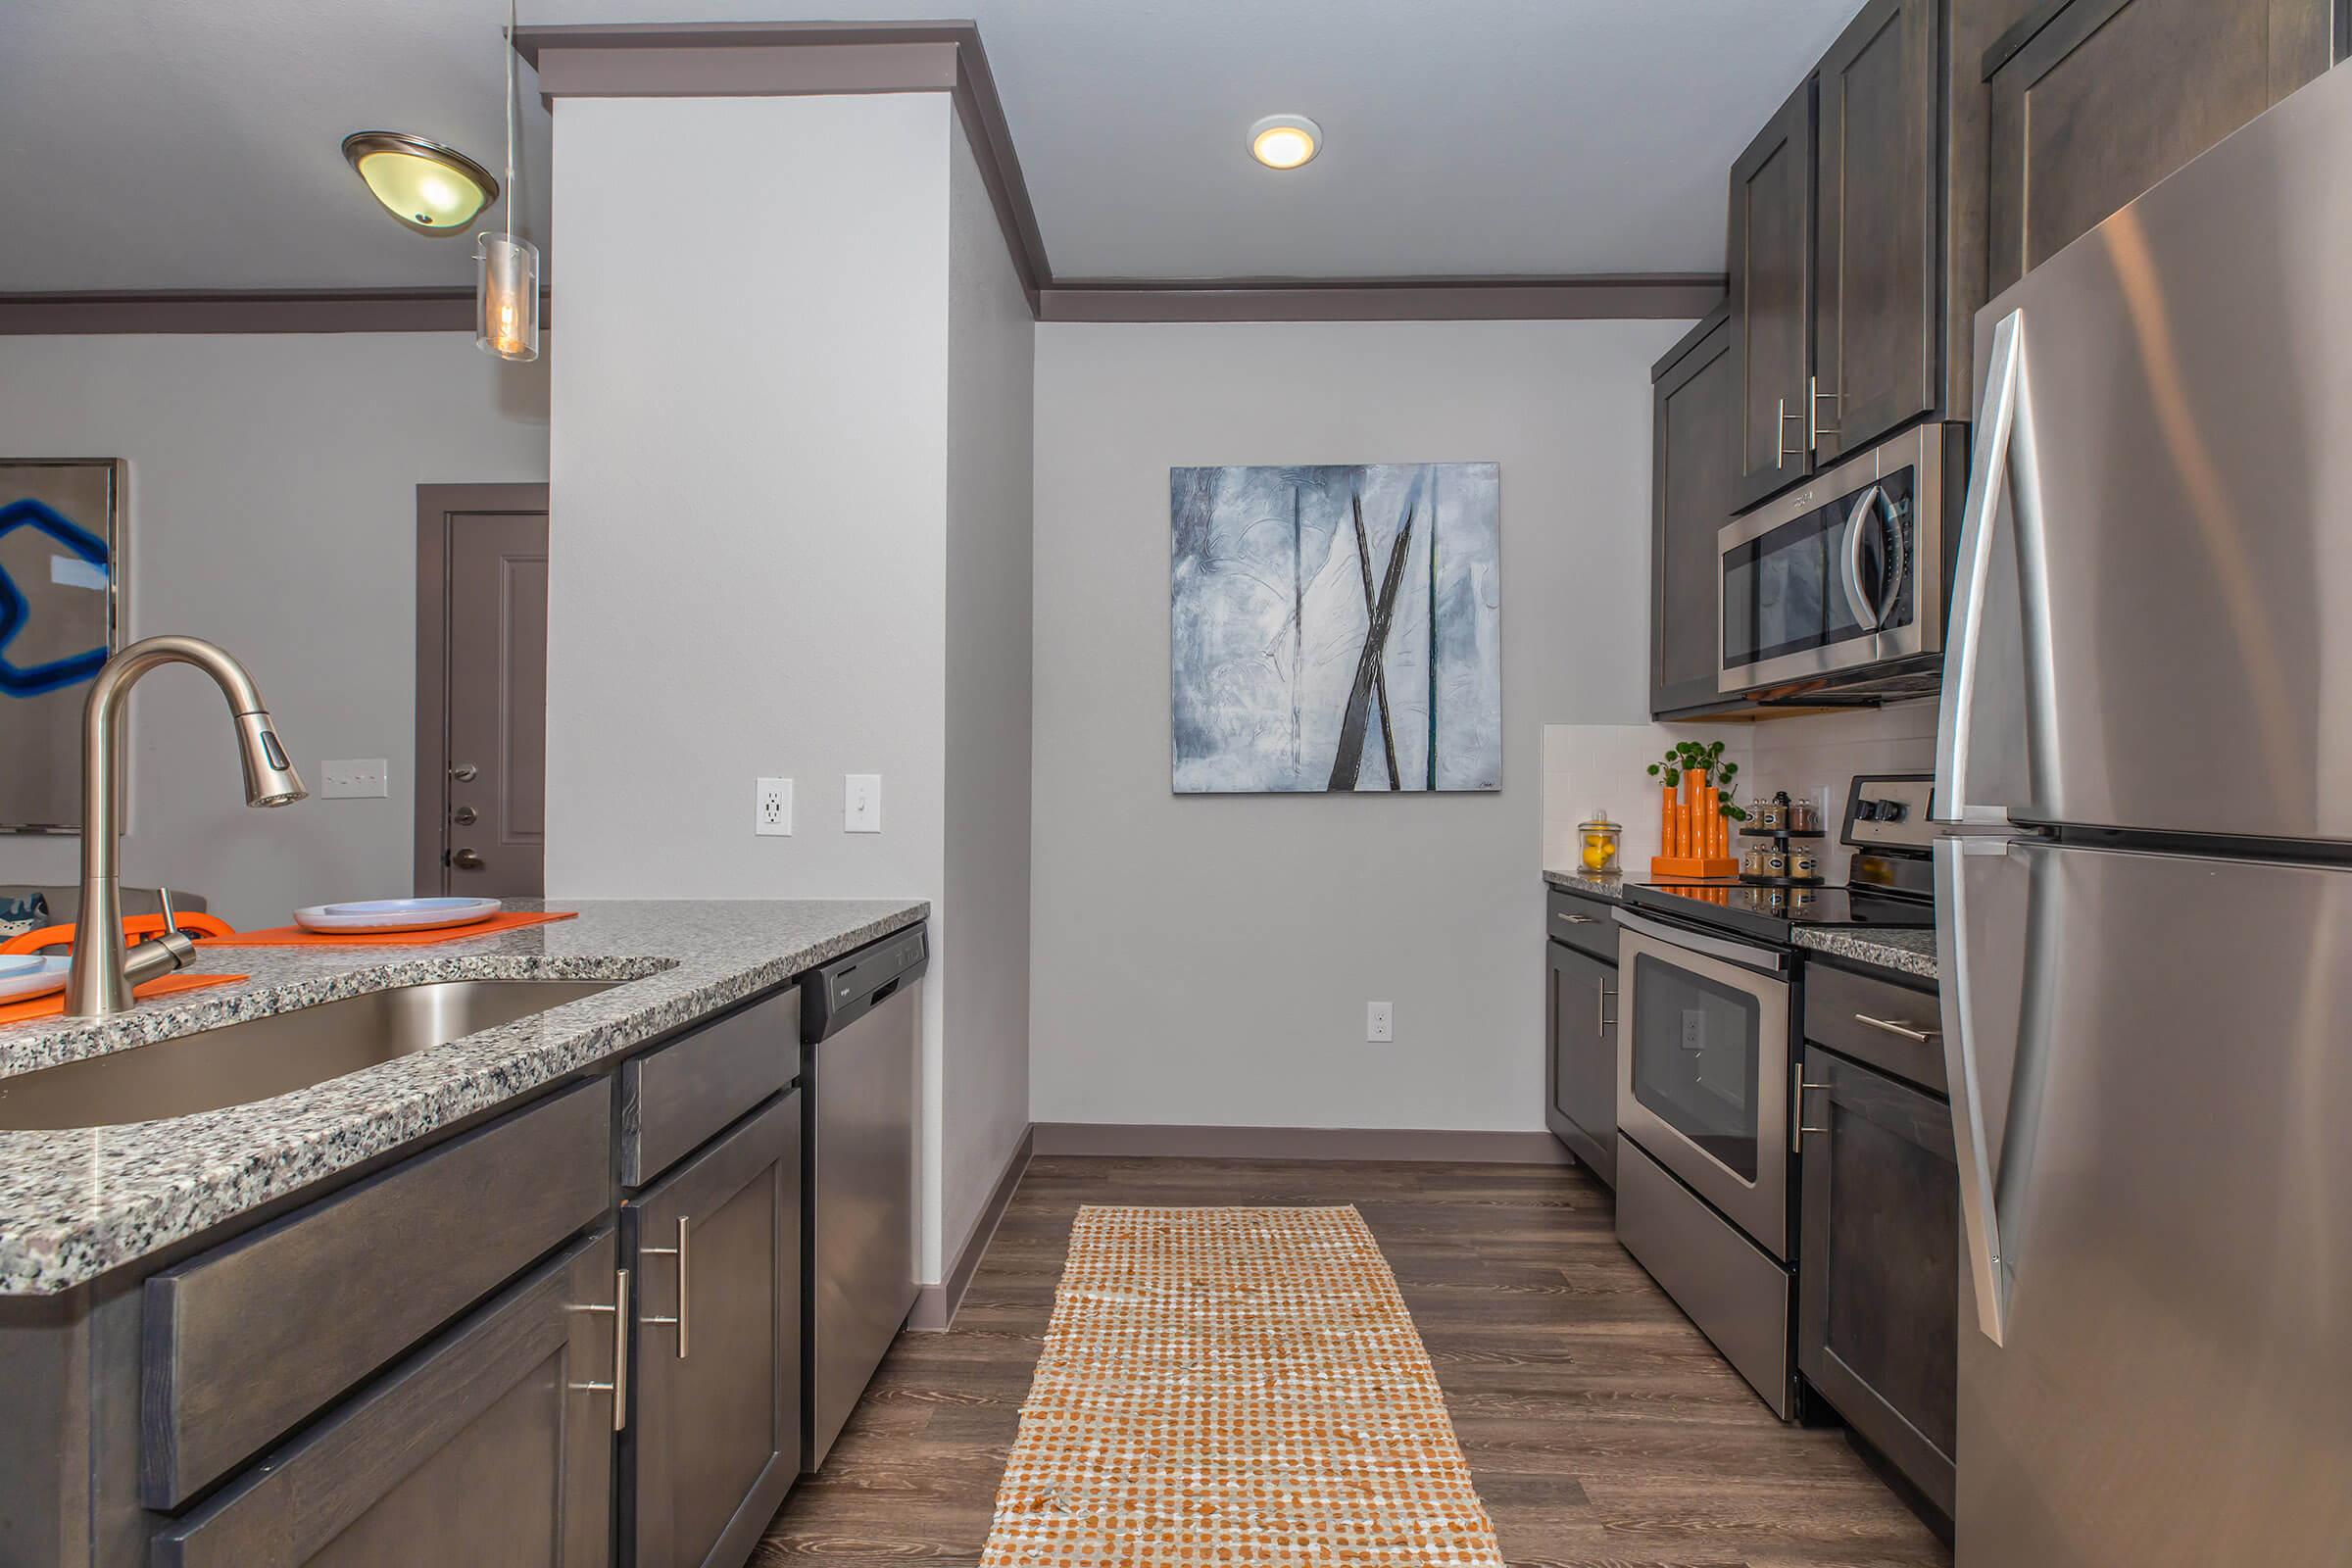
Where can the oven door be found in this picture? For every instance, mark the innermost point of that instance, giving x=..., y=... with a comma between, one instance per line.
x=1702, y=1068
x=1840, y=575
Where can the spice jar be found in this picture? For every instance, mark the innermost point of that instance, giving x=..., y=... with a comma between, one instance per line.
x=1753, y=863
x=1805, y=862
x=1598, y=845
x=1773, y=815
x=1804, y=817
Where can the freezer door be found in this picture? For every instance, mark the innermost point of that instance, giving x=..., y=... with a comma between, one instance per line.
x=2151, y=1094
x=2147, y=621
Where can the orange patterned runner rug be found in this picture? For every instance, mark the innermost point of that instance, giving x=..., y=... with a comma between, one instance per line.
x=1234, y=1388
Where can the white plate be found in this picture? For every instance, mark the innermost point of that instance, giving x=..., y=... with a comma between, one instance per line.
x=30, y=975
x=395, y=914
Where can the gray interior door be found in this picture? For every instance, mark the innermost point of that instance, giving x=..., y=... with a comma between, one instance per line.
x=493, y=781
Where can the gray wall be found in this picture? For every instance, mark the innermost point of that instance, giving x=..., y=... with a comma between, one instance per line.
x=272, y=509
x=1208, y=959
x=983, y=1108
x=776, y=553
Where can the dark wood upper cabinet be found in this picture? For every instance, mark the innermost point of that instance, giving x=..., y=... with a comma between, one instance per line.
x=1770, y=268
x=1875, y=294
x=1694, y=437
x=2094, y=101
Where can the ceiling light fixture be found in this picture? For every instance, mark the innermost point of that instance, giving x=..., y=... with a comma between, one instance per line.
x=1285, y=142
x=431, y=188
x=506, y=293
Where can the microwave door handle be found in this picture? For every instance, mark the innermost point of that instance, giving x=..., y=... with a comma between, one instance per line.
x=1866, y=613
x=2002, y=417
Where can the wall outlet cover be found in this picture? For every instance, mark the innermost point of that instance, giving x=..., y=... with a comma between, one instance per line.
x=359, y=778
x=771, y=809
x=861, y=803
x=1694, y=1029
x=1379, y=1022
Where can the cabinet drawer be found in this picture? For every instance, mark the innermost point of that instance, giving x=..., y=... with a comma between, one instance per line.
x=1587, y=925
x=251, y=1338
x=1864, y=1018
x=493, y=1444
x=675, y=1098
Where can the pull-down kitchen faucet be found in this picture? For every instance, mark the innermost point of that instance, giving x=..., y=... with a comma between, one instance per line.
x=104, y=968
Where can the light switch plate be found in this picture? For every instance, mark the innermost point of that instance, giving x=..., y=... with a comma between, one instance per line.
x=861, y=803
x=1379, y=1022
x=771, y=809
x=361, y=778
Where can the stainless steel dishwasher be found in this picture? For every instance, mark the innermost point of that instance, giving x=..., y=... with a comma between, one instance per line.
x=861, y=1028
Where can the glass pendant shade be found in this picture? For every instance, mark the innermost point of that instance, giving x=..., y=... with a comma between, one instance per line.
x=507, y=298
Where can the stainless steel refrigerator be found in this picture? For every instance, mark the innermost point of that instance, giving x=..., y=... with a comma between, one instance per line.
x=2147, y=936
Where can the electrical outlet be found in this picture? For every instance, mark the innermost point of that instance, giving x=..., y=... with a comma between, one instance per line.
x=1694, y=1029
x=771, y=809
x=861, y=803
x=354, y=779
x=1380, y=1021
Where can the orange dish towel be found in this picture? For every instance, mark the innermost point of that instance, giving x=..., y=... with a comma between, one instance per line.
x=52, y=1005
x=294, y=936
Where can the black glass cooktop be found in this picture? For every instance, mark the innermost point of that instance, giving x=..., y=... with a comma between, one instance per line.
x=1772, y=914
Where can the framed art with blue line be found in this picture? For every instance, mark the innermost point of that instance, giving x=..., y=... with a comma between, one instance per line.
x=62, y=613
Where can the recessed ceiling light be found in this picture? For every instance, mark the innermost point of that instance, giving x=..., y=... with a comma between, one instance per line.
x=1285, y=142
x=431, y=188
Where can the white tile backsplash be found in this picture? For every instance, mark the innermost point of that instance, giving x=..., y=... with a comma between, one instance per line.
x=1589, y=766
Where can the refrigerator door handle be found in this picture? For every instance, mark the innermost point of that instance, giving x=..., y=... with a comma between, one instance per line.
x=2001, y=419
x=1980, y=1218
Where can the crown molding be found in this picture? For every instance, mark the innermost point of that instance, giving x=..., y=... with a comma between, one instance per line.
x=186, y=311
x=1647, y=296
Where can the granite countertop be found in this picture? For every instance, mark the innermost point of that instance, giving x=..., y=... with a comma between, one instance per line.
x=1911, y=952
x=1610, y=887
x=76, y=1203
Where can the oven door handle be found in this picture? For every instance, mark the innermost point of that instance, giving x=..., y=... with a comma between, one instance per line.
x=1764, y=961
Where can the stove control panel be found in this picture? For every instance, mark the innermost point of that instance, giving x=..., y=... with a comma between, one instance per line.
x=1888, y=813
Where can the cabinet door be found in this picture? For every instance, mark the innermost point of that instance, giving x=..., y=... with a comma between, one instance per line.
x=1875, y=303
x=1879, y=1284
x=1772, y=301
x=492, y=1445
x=1694, y=445
x=1581, y=1074
x=715, y=1432
x=2095, y=101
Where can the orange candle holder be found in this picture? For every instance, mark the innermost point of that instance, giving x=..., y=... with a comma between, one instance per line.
x=1695, y=840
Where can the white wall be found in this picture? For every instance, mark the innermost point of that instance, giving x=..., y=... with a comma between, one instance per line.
x=990, y=361
x=760, y=500
x=1208, y=958
x=273, y=510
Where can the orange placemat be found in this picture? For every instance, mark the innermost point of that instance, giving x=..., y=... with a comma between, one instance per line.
x=51, y=1006
x=294, y=936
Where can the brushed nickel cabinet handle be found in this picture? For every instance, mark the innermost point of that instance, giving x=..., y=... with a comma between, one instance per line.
x=1918, y=1037
x=1779, y=435
x=1606, y=1022
x=1814, y=429
x=1578, y=919
x=679, y=1252
x=618, y=1388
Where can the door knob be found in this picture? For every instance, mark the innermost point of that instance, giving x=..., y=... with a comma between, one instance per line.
x=464, y=817
x=462, y=772
x=467, y=861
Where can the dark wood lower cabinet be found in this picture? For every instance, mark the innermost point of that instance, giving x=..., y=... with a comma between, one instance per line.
x=1581, y=1074
x=714, y=1440
x=1879, y=1273
x=491, y=1444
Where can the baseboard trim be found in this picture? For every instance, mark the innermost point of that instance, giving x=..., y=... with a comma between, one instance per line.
x=936, y=1307
x=1434, y=1145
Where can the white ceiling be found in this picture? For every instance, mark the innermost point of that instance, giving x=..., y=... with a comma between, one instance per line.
x=175, y=144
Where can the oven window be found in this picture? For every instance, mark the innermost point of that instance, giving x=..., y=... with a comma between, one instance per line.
x=1784, y=592
x=1695, y=1045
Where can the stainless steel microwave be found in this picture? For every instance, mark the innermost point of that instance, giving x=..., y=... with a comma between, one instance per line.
x=1843, y=582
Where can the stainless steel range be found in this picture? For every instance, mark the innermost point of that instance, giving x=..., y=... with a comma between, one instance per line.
x=1706, y=1074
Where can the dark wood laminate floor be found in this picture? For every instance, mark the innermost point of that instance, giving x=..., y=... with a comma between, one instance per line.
x=1602, y=1428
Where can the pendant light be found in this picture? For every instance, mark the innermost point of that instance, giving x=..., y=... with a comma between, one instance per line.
x=506, y=293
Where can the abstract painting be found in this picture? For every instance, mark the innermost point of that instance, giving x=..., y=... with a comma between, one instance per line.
x=60, y=536
x=1334, y=628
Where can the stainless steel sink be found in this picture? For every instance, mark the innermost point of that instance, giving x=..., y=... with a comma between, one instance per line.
x=255, y=1059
